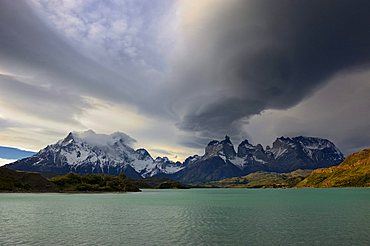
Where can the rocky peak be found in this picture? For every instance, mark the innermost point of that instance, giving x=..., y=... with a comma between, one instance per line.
x=305, y=149
x=225, y=148
x=191, y=160
x=161, y=159
x=226, y=140
x=313, y=142
x=245, y=148
x=283, y=142
x=228, y=148
x=67, y=140
x=259, y=147
x=143, y=154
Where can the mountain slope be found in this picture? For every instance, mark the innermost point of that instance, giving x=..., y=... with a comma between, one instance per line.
x=213, y=168
x=353, y=172
x=88, y=152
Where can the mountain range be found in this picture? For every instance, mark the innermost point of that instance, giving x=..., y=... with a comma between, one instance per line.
x=221, y=161
x=89, y=152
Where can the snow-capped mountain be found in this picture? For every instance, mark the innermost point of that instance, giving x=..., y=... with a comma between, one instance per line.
x=304, y=153
x=89, y=152
x=220, y=159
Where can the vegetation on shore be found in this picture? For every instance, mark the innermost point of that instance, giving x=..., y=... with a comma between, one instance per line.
x=72, y=182
x=19, y=181
x=16, y=181
x=354, y=171
x=263, y=180
x=159, y=183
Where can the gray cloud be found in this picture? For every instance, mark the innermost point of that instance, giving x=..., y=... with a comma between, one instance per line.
x=339, y=112
x=242, y=59
x=5, y=123
x=258, y=55
x=30, y=47
x=50, y=103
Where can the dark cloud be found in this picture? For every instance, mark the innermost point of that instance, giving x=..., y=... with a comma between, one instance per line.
x=257, y=55
x=240, y=59
x=339, y=112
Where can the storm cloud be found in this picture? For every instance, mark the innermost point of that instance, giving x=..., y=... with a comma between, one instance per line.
x=258, y=55
x=187, y=73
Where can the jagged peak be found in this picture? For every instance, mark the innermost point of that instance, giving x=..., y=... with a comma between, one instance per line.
x=192, y=158
x=162, y=159
x=284, y=139
x=227, y=142
x=216, y=142
x=304, y=140
x=226, y=139
x=246, y=148
x=213, y=142
x=223, y=148
x=245, y=142
x=300, y=138
x=311, y=139
x=142, y=151
x=143, y=154
x=260, y=147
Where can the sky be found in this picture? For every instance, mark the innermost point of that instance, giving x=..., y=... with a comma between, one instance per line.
x=174, y=74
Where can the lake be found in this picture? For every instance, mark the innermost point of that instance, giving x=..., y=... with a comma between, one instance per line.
x=189, y=217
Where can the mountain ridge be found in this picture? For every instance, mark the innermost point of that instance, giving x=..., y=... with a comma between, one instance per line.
x=89, y=152
x=220, y=160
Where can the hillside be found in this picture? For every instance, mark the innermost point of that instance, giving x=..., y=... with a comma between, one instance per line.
x=15, y=181
x=264, y=180
x=354, y=171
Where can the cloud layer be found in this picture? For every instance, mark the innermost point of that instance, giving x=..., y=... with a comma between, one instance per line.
x=258, y=55
x=175, y=74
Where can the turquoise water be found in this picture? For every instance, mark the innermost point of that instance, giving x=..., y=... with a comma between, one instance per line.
x=189, y=217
